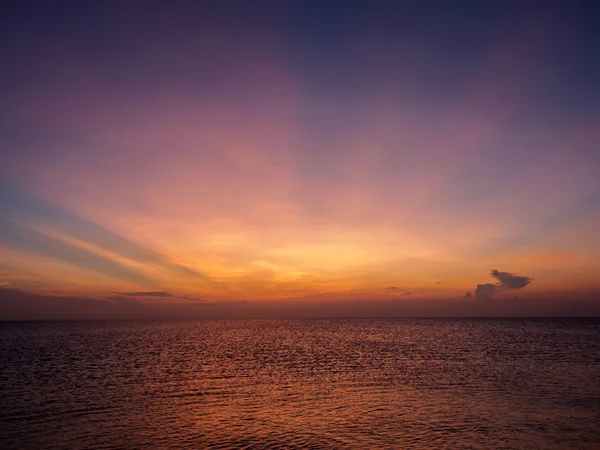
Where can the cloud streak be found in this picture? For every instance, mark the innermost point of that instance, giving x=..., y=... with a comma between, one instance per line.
x=21, y=238
x=22, y=207
x=162, y=294
x=152, y=294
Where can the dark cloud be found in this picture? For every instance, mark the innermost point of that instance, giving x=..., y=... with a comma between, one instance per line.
x=510, y=281
x=193, y=299
x=20, y=305
x=468, y=296
x=124, y=301
x=391, y=288
x=155, y=294
x=163, y=294
x=407, y=293
x=506, y=280
x=439, y=282
x=484, y=291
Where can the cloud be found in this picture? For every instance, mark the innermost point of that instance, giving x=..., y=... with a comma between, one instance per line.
x=22, y=207
x=194, y=299
x=484, y=291
x=510, y=281
x=20, y=305
x=391, y=288
x=153, y=294
x=407, y=293
x=506, y=280
x=21, y=238
x=163, y=294
x=468, y=296
x=124, y=301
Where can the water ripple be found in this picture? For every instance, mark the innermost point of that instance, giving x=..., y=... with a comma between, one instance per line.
x=301, y=384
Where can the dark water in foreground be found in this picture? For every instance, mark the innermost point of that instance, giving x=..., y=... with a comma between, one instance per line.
x=529, y=384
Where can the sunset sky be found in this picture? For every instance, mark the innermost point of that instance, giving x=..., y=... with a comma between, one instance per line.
x=299, y=151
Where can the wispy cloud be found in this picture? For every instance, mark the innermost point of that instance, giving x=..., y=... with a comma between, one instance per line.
x=22, y=238
x=21, y=207
x=162, y=294
x=153, y=294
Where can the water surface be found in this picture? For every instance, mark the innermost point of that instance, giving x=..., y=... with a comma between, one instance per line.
x=301, y=384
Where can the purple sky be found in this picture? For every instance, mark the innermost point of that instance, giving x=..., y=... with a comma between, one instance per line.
x=300, y=154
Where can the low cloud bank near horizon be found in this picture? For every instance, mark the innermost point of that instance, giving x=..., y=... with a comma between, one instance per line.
x=22, y=306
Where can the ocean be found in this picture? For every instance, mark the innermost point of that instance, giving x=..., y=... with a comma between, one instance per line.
x=301, y=384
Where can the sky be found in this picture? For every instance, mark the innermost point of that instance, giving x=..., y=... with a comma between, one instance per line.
x=328, y=158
